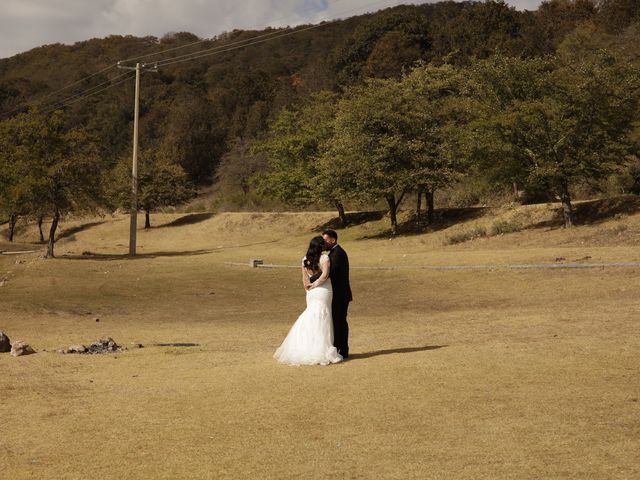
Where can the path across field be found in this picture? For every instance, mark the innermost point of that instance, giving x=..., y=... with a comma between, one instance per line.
x=513, y=266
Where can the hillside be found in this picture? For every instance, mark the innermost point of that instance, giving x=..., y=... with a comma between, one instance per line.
x=197, y=109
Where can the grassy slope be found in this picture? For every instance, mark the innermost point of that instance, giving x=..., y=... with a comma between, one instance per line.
x=456, y=374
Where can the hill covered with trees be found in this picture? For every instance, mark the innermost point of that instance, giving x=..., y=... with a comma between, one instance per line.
x=228, y=110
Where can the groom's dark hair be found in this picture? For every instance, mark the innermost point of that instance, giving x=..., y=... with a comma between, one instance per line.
x=331, y=233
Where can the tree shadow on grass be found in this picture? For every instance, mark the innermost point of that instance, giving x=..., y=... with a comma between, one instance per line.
x=597, y=211
x=442, y=218
x=592, y=212
x=125, y=256
x=190, y=219
x=80, y=228
x=353, y=219
x=376, y=353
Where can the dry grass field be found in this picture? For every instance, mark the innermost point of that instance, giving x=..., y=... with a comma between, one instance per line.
x=489, y=373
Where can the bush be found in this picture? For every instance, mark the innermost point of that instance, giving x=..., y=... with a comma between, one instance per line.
x=461, y=237
x=501, y=227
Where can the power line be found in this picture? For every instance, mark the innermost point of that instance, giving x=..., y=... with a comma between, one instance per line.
x=54, y=105
x=50, y=94
x=252, y=41
x=66, y=87
x=59, y=106
x=212, y=38
x=181, y=58
x=213, y=51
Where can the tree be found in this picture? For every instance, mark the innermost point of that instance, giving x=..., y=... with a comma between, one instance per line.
x=616, y=15
x=53, y=170
x=393, y=52
x=238, y=168
x=439, y=109
x=160, y=184
x=191, y=138
x=557, y=121
x=557, y=18
x=403, y=27
x=296, y=149
x=370, y=150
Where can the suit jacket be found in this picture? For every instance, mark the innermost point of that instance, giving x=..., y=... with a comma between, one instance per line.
x=339, y=275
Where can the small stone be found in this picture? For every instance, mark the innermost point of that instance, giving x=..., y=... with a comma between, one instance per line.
x=19, y=349
x=5, y=343
x=77, y=349
x=97, y=319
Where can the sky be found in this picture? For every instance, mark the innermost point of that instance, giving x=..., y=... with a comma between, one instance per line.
x=26, y=24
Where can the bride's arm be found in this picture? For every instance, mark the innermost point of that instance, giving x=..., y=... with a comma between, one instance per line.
x=305, y=279
x=324, y=266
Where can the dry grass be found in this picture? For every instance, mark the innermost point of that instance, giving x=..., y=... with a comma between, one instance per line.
x=489, y=374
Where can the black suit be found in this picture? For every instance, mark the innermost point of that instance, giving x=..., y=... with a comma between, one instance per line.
x=339, y=275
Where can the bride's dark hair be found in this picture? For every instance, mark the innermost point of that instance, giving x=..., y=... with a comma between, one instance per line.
x=314, y=253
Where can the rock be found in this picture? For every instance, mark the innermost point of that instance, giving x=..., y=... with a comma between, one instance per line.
x=5, y=343
x=77, y=349
x=97, y=319
x=19, y=349
x=109, y=343
x=104, y=345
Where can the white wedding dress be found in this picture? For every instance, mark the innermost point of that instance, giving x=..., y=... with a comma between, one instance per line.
x=310, y=340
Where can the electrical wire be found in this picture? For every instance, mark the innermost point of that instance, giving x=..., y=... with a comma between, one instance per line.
x=50, y=94
x=252, y=41
x=211, y=38
x=66, y=87
x=86, y=91
x=178, y=59
x=58, y=107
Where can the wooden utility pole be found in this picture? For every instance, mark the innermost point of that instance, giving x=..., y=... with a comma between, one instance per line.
x=133, y=224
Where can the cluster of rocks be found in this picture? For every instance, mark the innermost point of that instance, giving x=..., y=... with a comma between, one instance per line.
x=104, y=345
x=17, y=349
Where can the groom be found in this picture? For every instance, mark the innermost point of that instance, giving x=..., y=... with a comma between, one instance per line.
x=339, y=275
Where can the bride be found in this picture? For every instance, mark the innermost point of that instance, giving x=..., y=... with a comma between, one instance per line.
x=310, y=340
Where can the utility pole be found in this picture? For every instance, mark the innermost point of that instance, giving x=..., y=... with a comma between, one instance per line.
x=133, y=225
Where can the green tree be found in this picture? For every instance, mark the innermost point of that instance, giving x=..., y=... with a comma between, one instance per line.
x=370, y=151
x=54, y=169
x=438, y=110
x=13, y=192
x=559, y=121
x=161, y=183
x=296, y=148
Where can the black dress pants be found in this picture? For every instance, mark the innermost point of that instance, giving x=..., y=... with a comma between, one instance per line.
x=340, y=327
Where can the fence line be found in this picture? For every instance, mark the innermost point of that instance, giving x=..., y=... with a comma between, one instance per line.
x=513, y=266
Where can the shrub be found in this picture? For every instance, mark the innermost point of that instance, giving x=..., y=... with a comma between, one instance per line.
x=464, y=236
x=501, y=227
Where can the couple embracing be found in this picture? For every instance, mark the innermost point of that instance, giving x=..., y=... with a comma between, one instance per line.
x=321, y=333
